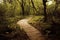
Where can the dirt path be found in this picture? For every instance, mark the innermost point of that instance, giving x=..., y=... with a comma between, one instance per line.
x=32, y=32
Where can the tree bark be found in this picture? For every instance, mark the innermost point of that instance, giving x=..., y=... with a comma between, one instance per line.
x=33, y=4
x=22, y=5
x=45, y=13
x=56, y=6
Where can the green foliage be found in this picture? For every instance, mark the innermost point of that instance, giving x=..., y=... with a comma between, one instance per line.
x=9, y=14
x=35, y=19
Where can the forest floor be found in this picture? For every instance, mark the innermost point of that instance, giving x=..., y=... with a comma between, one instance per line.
x=31, y=31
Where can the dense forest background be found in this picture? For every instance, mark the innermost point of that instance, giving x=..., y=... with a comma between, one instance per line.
x=45, y=14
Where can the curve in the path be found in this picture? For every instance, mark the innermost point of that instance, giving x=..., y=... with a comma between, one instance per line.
x=32, y=32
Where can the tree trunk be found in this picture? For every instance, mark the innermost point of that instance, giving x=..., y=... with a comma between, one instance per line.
x=45, y=13
x=22, y=5
x=33, y=4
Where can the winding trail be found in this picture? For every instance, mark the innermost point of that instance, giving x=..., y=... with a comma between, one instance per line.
x=32, y=32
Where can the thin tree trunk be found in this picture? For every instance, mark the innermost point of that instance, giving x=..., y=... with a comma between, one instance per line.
x=56, y=6
x=45, y=13
x=34, y=7
x=33, y=4
x=54, y=12
x=22, y=5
